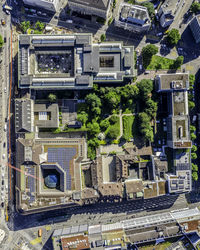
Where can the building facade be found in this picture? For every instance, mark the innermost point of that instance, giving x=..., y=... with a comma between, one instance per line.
x=50, y=5
x=195, y=28
x=168, y=10
x=89, y=7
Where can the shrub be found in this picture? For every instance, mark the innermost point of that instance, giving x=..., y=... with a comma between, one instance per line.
x=173, y=36
x=113, y=119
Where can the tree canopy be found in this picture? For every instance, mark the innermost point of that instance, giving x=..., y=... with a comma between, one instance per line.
x=150, y=8
x=112, y=133
x=195, y=176
x=94, y=103
x=82, y=117
x=147, y=53
x=178, y=62
x=195, y=7
x=112, y=99
x=173, y=36
x=52, y=97
x=25, y=25
x=39, y=25
x=145, y=126
x=94, y=128
x=104, y=124
x=145, y=87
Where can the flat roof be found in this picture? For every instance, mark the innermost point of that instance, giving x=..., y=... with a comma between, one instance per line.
x=176, y=81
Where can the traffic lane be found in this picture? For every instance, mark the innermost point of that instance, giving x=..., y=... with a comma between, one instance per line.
x=24, y=221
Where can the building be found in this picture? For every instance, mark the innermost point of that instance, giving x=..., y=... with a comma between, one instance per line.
x=89, y=7
x=134, y=18
x=49, y=171
x=55, y=62
x=49, y=5
x=29, y=116
x=24, y=120
x=175, y=87
x=195, y=28
x=152, y=228
x=168, y=10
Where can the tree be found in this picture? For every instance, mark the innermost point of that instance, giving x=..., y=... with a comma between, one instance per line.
x=194, y=148
x=193, y=156
x=112, y=133
x=25, y=25
x=151, y=108
x=1, y=41
x=145, y=87
x=145, y=127
x=178, y=62
x=52, y=97
x=195, y=7
x=193, y=136
x=39, y=26
x=93, y=128
x=113, y=119
x=194, y=167
x=192, y=79
x=104, y=124
x=192, y=129
x=112, y=99
x=150, y=8
x=82, y=117
x=147, y=53
x=94, y=103
x=195, y=176
x=191, y=105
x=103, y=37
x=129, y=92
x=173, y=36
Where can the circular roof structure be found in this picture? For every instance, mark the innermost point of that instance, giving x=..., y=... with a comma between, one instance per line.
x=51, y=181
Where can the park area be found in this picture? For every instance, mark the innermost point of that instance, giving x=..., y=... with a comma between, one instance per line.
x=159, y=62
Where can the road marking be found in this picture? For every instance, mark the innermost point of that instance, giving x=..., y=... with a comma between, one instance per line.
x=36, y=241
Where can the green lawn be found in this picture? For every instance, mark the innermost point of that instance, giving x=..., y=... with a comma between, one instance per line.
x=128, y=122
x=159, y=62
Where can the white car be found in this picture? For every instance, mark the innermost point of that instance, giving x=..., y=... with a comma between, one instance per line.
x=3, y=156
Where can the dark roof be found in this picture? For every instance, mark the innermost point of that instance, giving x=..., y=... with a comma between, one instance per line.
x=99, y=4
x=23, y=114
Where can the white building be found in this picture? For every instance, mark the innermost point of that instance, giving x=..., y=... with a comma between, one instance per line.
x=134, y=18
x=50, y=5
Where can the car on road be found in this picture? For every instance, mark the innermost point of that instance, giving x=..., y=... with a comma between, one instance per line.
x=2, y=183
x=7, y=12
x=5, y=90
x=4, y=144
x=3, y=22
x=69, y=21
x=2, y=204
x=5, y=127
x=3, y=156
x=159, y=34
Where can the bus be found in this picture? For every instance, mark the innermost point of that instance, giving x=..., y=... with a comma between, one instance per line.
x=40, y=232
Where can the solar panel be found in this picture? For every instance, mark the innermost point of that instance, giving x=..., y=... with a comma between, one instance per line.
x=63, y=156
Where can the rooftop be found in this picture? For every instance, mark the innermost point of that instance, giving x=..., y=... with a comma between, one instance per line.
x=75, y=242
x=135, y=15
x=178, y=81
x=98, y=4
x=71, y=61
